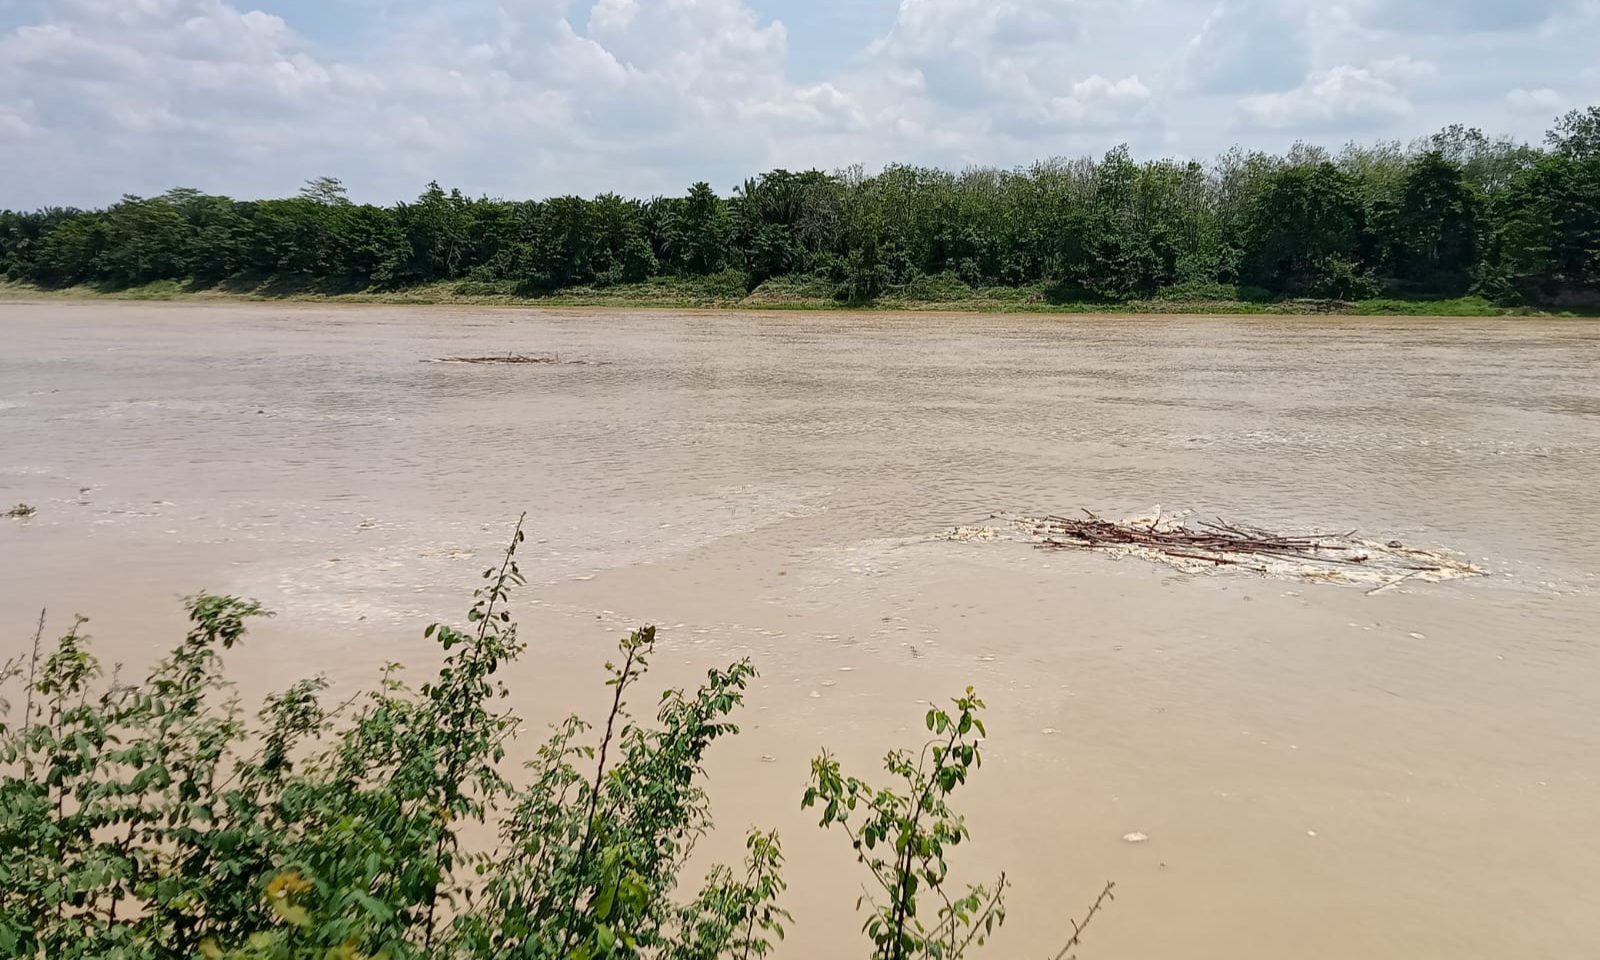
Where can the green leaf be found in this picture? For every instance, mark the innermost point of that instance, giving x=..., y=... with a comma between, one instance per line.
x=292, y=913
x=374, y=907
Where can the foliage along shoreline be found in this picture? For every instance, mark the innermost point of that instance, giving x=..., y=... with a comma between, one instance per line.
x=687, y=297
x=1458, y=222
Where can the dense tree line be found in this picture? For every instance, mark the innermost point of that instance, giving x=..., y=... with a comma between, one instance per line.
x=1455, y=213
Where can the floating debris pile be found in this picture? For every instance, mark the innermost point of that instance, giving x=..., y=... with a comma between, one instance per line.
x=1209, y=545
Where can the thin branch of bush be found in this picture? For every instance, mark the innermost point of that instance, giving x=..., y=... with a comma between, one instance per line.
x=1078, y=927
x=152, y=819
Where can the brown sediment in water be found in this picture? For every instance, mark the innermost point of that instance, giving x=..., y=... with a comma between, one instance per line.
x=1296, y=754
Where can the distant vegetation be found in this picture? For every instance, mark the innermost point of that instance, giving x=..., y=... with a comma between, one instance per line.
x=1454, y=214
x=153, y=820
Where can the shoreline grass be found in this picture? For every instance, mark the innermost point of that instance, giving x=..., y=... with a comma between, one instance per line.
x=778, y=295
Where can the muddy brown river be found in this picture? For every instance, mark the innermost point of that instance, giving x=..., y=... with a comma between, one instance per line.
x=1321, y=772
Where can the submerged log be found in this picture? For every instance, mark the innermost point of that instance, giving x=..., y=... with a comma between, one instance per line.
x=508, y=358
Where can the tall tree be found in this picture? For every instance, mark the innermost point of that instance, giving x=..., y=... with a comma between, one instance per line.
x=144, y=240
x=1577, y=134
x=1430, y=235
x=1488, y=163
x=1304, y=231
x=1545, y=246
x=328, y=190
x=697, y=232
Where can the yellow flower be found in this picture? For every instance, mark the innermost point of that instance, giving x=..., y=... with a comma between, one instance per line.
x=344, y=951
x=286, y=885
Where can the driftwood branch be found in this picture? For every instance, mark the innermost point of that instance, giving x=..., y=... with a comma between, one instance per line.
x=1220, y=542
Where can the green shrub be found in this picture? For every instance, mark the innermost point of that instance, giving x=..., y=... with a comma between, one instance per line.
x=937, y=288
x=913, y=828
x=155, y=820
x=485, y=288
x=1340, y=278
x=1454, y=307
x=1198, y=290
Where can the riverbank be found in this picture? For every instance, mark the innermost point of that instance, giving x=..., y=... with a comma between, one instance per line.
x=717, y=293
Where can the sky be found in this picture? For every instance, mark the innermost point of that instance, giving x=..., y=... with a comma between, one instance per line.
x=533, y=98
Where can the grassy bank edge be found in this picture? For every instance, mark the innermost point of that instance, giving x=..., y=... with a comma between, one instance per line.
x=774, y=295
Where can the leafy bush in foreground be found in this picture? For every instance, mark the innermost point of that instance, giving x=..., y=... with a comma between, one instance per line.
x=154, y=820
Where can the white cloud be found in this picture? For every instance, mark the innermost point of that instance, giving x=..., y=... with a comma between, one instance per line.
x=1101, y=99
x=1001, y=81
x=613, y=14
x=1248, y=46
x=1543, y=101
x=137, y=91
x=526, y=93
x=533, y=97
x=16, y=120
x=1459, y=16
x=1339, y=95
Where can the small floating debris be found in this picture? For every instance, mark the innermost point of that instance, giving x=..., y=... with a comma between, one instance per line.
x=1212, y=545
x=971, y=534
x=1135, y=837
x=513, y=359
x=21, y=511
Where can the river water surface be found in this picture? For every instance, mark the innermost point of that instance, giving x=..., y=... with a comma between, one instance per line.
x=1320, y=772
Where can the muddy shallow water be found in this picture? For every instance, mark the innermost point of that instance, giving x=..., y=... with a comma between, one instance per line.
x=1321, y=773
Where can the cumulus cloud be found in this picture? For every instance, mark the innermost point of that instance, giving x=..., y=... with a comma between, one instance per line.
x=1339, y=95
x=524, y=91
x=119, y=85
x=534, y=97
x=1098, y=98
x=998, y=73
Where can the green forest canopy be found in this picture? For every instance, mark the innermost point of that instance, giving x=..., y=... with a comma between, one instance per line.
x=1455, y=213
